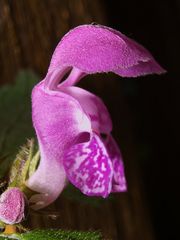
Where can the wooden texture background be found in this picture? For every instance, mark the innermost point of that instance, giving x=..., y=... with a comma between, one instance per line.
x=29, y=32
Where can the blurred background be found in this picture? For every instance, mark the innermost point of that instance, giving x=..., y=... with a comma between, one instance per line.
x=145, y=111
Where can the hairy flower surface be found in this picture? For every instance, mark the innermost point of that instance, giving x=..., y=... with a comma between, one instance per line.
x=69, y=121
x=12, y=206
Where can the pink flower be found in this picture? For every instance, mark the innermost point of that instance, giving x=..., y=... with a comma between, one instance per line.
x=12, y=206
x=69, y=120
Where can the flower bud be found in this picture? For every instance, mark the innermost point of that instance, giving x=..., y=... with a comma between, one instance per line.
x=12, y=206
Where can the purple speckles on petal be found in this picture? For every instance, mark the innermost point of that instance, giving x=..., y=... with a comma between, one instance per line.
x=119, y=180
x=89, y=168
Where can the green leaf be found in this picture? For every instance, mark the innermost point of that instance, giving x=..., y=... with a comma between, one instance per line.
x=15, y=117
x=53, y=234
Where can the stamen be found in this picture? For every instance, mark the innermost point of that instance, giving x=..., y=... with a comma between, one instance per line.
x=55, y=77
x=74, y=77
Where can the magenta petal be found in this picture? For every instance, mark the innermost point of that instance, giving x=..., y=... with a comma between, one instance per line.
x=95, y=48
x=58, y=120
x=49, y=180
x=89, y=167
x=119, y=180
x=12, y=206
x=93, y=106
x=143, y=68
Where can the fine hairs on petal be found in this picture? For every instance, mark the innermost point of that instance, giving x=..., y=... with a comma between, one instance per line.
x=69, y=121
x=96, y=48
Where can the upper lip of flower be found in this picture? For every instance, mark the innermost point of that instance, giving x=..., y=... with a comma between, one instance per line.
x=95, y=48
x=62, y=113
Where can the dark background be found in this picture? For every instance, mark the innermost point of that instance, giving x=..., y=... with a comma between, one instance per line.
x=155, y=103
x=145, y=111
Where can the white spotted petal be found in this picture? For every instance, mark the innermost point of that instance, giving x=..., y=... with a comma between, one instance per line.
x=88, y=166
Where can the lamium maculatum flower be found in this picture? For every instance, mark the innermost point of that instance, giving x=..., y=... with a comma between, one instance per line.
x=69, y=121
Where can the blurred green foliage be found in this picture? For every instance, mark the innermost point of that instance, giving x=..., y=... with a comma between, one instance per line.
x=15, y=117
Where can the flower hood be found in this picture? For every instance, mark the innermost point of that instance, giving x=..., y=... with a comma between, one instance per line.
x=69, y=121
